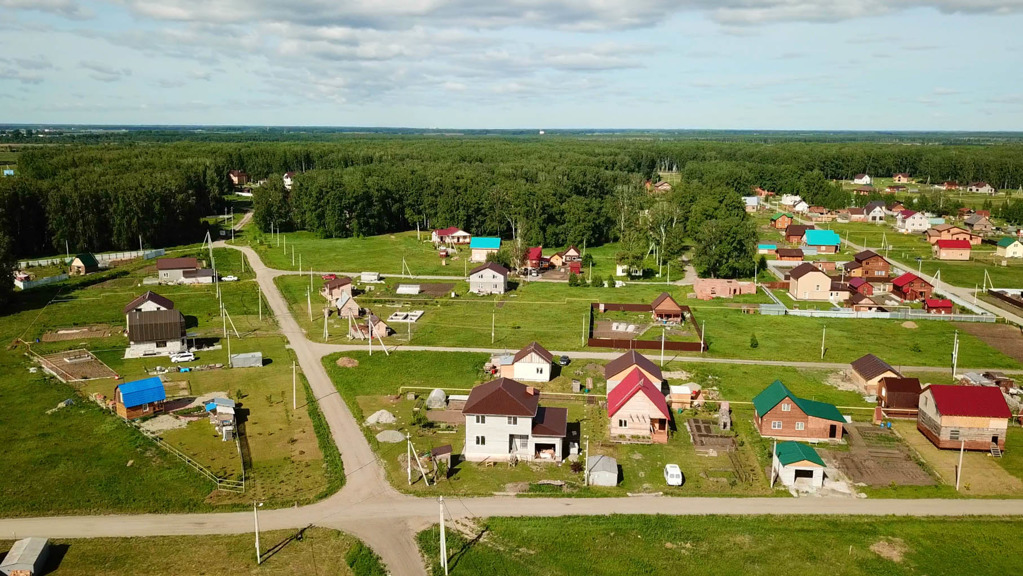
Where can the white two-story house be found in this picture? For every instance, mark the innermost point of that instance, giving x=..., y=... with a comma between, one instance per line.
x=504, y=421
x=910, y=221
x=490, y=278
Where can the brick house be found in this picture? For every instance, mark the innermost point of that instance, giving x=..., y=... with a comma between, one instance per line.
x=868, y=264
x=781, y=220
x=794, y=232
x=938, y=306
x=781, y=414
x=909, y=286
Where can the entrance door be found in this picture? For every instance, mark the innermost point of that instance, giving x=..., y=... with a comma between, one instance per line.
x=833, y=431
x=994, y=439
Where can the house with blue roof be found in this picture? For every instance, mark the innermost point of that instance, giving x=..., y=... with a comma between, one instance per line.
x=825, y=241
x=140, y=398
x=8, y=172
x=483, y=246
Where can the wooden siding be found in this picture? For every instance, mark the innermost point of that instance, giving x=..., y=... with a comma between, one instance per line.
x=814, y=428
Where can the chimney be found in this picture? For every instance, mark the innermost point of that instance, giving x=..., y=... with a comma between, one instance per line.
x=530, y=390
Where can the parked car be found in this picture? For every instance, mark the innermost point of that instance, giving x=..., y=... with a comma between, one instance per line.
x=329, y=277
x=229, y=279
x=564, y=360
x=673, y=475
x=183, y=357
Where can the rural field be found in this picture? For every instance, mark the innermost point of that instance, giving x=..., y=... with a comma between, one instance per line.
x=283, y=450
x=716, y=545
x=317, y=551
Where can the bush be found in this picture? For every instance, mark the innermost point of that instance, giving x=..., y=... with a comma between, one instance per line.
x=577, y=466
x=573, y=279
x=753, y=341
x=363, y=561
x=611, y=281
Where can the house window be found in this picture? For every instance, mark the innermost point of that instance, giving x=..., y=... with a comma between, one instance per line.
x=145, y=408
x=953, y=434
x=622, y=423
x=161, y=344
x=513, y=420
x=776, y=425
x=786, y=407
x=481, y=440
x=481, y=419
x=800, y=425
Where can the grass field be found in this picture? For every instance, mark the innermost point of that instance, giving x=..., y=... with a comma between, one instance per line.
x=320, y=551
x=716, y=545
x=286, y=447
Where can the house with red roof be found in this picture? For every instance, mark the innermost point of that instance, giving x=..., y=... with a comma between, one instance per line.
x=452, y=235
x=909, y=286
x=951, y=249
x=972, y=417
x=861, y=286
x=534, y=259
x=938, y=306
x=504, y=421
x=616, y=370
x=637, y=410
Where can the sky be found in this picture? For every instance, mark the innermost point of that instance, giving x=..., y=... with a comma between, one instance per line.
x=543, y=64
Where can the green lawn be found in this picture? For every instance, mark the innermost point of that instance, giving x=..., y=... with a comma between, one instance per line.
x=717, y=545
x=320, y=551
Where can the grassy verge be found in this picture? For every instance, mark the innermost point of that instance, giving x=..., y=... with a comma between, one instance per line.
x=319, y=551
x=729, y=545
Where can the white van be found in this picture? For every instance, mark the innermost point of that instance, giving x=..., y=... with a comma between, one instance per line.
x=673, y=475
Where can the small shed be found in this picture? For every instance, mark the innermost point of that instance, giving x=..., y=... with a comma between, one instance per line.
x=602, y=471
x=442, y=454
x=247, y=360
x=140, y=398
x=27, y=557
x=408, y=289
x=371, y=277
x=84, y=264
x=797, y=464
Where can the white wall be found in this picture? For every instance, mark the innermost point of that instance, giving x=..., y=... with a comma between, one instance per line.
x=532, y=371
x=497, y=431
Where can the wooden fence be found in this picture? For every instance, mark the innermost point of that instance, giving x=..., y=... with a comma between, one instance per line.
x=636, y=344
x=225, y=484
x=1006, y=298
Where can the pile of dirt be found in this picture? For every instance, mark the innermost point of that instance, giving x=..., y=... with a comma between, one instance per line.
x=909, y=324
x=346, y=362
x=381, y=417
x=390, y=437
x=893, y=549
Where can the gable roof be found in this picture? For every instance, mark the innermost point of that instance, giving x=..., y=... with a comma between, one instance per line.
x=969, y=401
x=772, y=395
x=632, y=358
x=974, y=219
x=550, y=422
x=485, y=243
x=503, y=397
x=789, y=252
x=953, y=244
x=822, y=238
x=856, y=211
x=149, y=296
x=865, y=255
x=857, y=282
x=142, y=392
x=908, y=213
x=535, y=253
x=792, y=452
x=797, y=229
x=871, y=206
x=530, y=349
x=902, y=385
x=1007, y=241
x=937, y=303
x=779, y=215
x=906, y=279
x=87, y=260
x=804, y=269
x=634, y=383
x=338, y=282
x=870, y=367
x=448, y=231
x=177, y=264
x=665, y=298
x=490, y=266
x=903, y=174
x=155, y=325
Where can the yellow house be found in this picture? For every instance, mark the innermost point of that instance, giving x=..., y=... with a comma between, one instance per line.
x=1009, y=248
x=808, y=282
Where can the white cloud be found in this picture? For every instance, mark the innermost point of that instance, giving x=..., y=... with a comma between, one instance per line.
x=103, y=72
x=66, y=8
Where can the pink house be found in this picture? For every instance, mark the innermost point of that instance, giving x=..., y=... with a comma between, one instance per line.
x=638, y=410
x=708, y=288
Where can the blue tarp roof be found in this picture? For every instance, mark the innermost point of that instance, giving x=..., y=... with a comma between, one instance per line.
x=142, y=392
x=767, y=246
x=821, y=238
x=483, y=242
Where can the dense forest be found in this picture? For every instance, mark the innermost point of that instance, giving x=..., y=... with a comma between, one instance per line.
x=551, y=191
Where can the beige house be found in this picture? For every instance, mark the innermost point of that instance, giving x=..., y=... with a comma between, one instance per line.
x=970, y=417
x=531, y=364
x=868, y=372
x=637, y=410
x=334, y=289
x=1009, y=248
x=616, y=370
x=347, y=307
x=807, y=282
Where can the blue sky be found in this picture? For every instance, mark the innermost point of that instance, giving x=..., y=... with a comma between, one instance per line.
x=731, y=64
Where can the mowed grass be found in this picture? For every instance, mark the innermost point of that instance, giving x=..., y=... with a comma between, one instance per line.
x=80, y=459
x=320, y=551
x=718, y=545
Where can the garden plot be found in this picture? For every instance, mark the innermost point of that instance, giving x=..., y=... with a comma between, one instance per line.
x=83, y=333
x=75, y=366
x=406, y=317
x=878, y=458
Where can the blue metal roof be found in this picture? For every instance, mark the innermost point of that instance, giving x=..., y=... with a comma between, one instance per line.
x=142, y=392
x=821, y=238
x=767, y=246
x=485, y=243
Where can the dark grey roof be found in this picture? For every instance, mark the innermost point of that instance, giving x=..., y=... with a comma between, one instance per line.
x=870, y=367
x=155, y=325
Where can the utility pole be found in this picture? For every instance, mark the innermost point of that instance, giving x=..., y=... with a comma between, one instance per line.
x=586, y=460
x=408, y=457
x=493, y=326
x=824, y=333
x=774, y=456
x=309, y=304
x=955, y=353
x=667, y=279
x=703, y=332
x=255, y=517
x=326, y=313
x=959, y=470
x=259, y=293
x=662, y=346
x=294, y=387
x=299, y=263
x=443, y=540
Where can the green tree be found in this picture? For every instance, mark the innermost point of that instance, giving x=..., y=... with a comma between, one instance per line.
x=725, y=248
x=7, y=264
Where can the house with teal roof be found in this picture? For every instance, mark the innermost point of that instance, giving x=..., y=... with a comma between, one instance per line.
x=782, y=415
x=1009, y=247
x=483, y=246
x=798, y=465
x=825, y=241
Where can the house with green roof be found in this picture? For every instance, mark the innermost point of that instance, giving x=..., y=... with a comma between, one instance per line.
x=1009, y=247
x=796, y=464
x=781, y=220
x=83, y=264
x=783, y=415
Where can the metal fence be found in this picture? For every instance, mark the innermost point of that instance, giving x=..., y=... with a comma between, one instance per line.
x=29, y=284
x=102, y=259
x=891, y=315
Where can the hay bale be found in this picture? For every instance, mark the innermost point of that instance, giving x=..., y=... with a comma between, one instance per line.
x=346, y=362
